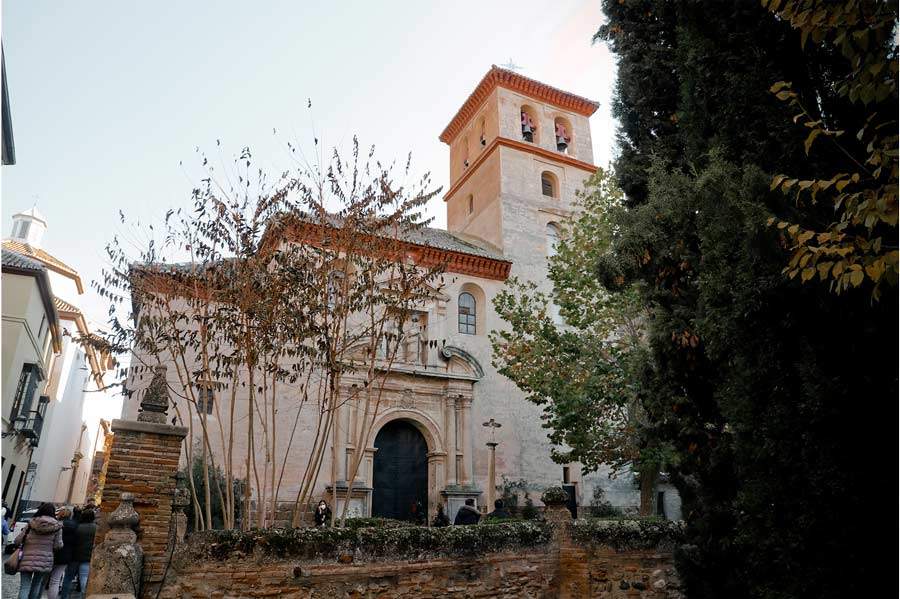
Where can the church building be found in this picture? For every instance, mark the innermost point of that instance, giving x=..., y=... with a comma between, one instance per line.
x=519, y=151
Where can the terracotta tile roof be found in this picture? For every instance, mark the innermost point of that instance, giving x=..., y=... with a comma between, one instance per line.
x=445, y=240
x=64, y=306
x=49, y=261
x=12, y=259
x=511, y=80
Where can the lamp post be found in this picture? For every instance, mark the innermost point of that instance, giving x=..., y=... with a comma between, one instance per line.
x=492, y=465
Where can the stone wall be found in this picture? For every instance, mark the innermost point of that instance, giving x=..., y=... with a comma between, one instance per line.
x=562, y=569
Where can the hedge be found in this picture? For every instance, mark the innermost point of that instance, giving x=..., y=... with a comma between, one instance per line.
x=628, y=534
x=394, y=542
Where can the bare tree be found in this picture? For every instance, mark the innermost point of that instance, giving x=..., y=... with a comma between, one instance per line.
x=262, y=300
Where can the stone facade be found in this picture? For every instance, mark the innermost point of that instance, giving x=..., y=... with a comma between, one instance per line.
x=448, y=391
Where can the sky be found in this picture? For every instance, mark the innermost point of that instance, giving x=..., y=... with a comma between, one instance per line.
x=110, y=100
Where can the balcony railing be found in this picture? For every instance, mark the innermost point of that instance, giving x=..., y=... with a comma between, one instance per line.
x=30, y=424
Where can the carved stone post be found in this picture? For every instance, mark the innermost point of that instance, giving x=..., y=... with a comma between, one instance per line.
x=117, y=562
x=180, y=501
x=143, y=460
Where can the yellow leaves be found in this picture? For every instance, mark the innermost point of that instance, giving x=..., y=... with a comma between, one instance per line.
x=810, y=139
x=804, y=237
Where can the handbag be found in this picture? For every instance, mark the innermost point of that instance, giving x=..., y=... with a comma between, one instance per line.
x=11, y=565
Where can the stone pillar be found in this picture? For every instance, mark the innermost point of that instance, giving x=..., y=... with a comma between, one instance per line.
x=463, y=412
x=450, y=438
x=116, y=563
x=436, y=480
x=143, y=460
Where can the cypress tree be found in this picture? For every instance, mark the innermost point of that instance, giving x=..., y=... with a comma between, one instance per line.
x=776, y=398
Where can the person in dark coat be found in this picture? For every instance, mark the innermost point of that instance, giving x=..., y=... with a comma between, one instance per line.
x=440, y=518
x=63, y=556
x=322, y=515
x=467, y=514
x=42, y=535
x=80, y=565
x=500, y=512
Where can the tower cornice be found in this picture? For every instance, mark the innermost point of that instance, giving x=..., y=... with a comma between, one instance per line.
x=499, y=77
x=521, y=146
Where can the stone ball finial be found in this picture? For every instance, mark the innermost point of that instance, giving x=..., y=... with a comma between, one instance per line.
x=123, y=520
x=155, y=401
x=181, y=496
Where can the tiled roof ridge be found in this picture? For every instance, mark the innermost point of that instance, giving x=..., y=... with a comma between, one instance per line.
x=16, y=259
x=38, y=254
x=526, y=85
x=64, y=306
x=43, y=256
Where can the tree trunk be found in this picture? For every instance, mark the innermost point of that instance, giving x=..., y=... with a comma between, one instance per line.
x=649, y=474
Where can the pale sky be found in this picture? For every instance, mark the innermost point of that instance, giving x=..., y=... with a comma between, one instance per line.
x=108, y=97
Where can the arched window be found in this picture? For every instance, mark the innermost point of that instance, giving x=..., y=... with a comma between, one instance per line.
x=562, y=130
x=467, y=309
x=481, y=133
x=549, y=185
x=465, y=150
x=530, y=129
x=471, y=203
x=552, y=238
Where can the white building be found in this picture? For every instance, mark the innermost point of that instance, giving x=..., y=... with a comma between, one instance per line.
x=61, y=464
x=31, y=339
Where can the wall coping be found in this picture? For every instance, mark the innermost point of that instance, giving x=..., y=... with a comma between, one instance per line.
x=148, y=427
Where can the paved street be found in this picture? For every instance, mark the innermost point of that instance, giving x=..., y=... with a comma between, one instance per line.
x=11, y=588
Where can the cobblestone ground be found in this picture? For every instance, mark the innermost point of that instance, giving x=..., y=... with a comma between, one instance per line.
x=11, y=588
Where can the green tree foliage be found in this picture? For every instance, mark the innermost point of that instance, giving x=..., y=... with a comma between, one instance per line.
x=589, y=406
x=769, y=392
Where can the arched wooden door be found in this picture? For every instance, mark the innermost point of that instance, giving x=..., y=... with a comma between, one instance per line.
x=400, y=472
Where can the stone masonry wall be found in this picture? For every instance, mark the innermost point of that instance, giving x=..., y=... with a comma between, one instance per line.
x=142, y=460
x=561, y=570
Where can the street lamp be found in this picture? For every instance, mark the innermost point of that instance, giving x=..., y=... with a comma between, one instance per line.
x=493, y=425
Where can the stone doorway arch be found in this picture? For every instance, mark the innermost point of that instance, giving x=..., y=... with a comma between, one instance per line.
x=400, y=472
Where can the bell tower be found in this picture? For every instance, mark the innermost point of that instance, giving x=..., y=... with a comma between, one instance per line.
x=519, y=149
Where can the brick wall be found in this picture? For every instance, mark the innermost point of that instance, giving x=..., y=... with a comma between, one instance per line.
x=561, y=570
x=143, y=460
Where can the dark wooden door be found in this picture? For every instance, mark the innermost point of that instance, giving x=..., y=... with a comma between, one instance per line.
x=400, y=476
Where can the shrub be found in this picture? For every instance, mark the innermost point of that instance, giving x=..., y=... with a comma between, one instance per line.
x=529, y=512
x=600, y=507
x=554, y=495
x=386, y=541
x=376, y=523
x=628, y=534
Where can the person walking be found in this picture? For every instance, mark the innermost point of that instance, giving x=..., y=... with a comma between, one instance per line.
x=80, y=565
x=42, y=535
x=467, y=514
x=63, y=556
x=4, y=516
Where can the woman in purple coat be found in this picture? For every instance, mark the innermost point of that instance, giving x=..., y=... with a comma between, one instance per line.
x=42, y=535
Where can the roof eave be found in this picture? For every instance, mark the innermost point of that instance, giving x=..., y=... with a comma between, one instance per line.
x=499, y=77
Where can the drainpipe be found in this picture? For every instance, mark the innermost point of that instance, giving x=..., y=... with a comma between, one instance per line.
x=76, y=458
